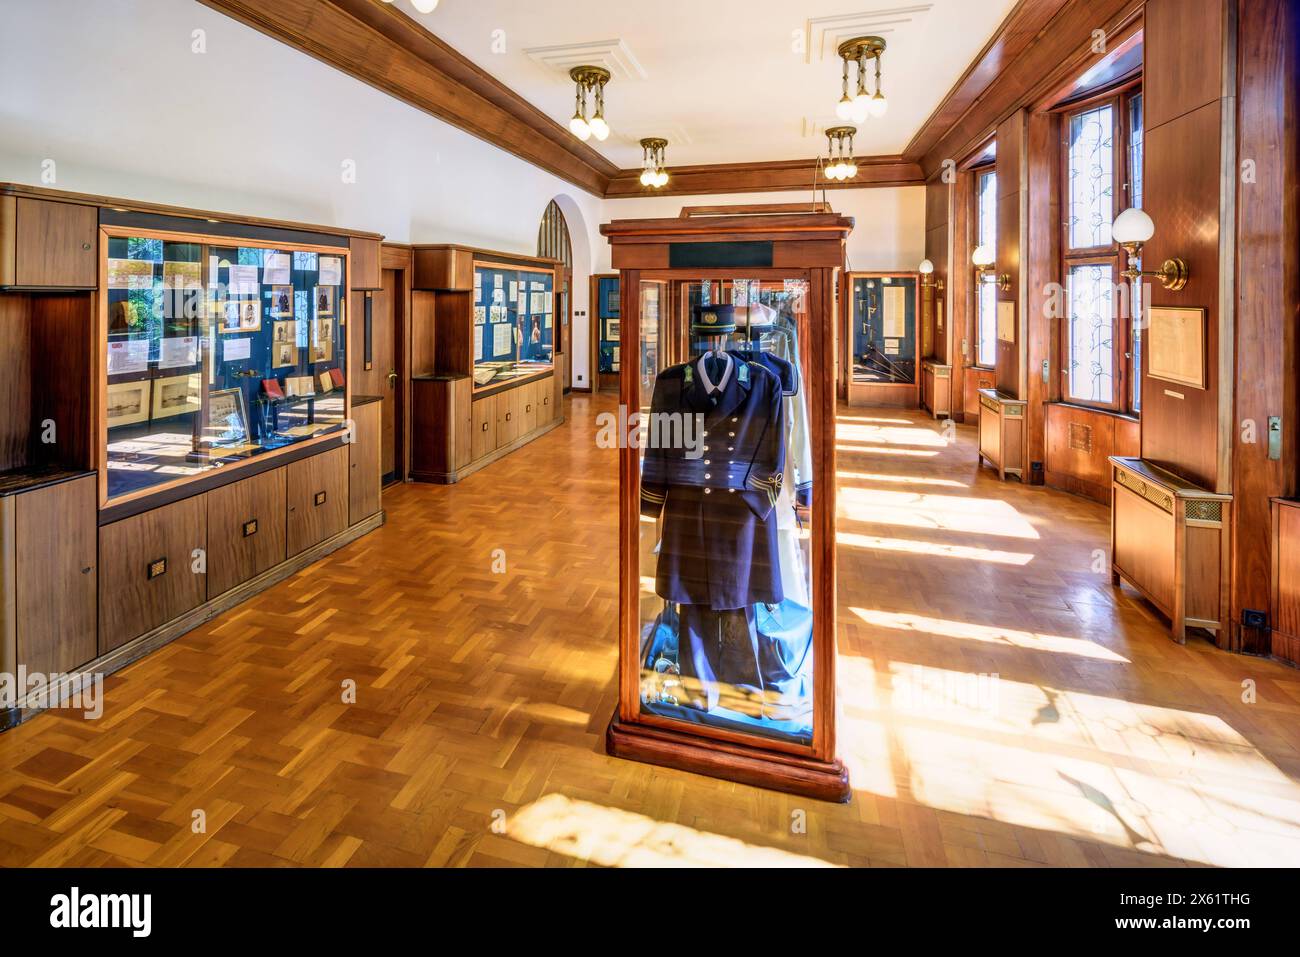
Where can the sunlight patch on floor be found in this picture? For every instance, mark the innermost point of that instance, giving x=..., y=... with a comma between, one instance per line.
x=612, y=837
x=946, y=628
x=953, y=513
x=883, y=450
x=899, y=479
x=1144, y=778
x=938, y=549
x=887, y=435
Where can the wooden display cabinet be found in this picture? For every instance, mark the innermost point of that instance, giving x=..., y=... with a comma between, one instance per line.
x=936, y=389
x=89, y=580
x=882, y=339
x=798, y=253
x=459, y=425
x=1169, y=540
x=1002, y=433
x=1285, y=633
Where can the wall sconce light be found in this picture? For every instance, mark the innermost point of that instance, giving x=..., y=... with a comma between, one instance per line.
x=928, y=279
x=983, y=259
x=1132, y=229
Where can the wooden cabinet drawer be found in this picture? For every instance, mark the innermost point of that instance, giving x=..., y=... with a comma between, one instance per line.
x=147, y=570
x=48, y=245
x=364, y=461
x=317, y=493
x=484, y=432
x=56, y=576
x=246, y=530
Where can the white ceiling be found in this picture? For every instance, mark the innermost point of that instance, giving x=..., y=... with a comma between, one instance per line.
x=723, y=80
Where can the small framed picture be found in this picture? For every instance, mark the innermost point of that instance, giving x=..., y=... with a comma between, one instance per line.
x=284, y=354
x=128, y=403
x=326, y=382
x=282, y=302
x=285, y=332
x=326, y=297
x=322, y=350
x=227, y=417
x=250, y=315
x=178, y=395
x=613, y=329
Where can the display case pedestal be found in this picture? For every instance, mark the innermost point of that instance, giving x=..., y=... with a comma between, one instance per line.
x=669, y=748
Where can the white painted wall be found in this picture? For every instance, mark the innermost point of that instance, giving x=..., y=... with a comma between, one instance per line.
x=115, y=93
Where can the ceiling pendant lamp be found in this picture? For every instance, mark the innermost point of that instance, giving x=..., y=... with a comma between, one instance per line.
x=653, y=173
x=587, y=79
x=422, y=6
x=840, y=164
x=860, y=106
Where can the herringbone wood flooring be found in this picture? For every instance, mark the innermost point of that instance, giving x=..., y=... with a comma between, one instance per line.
x=482, y=698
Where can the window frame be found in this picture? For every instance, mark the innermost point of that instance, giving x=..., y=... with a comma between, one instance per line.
x=978, y=174
x=1125, y=337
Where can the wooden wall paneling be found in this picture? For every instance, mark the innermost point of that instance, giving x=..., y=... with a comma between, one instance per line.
x=130, y=602
x=1180, y=425
x=1268, y=304
x=56, y=571
x=453, y=332
x=246, y=529
x=64, y=354
x=364, y=263
x=15, y=379
x=1012, y=146
x=423, y=333
x=1041, y=277
x=1285, y=580
x=1078, y=443
x=317, y=495
x=1183, y=44
x=365, y=461
x=54, y=245
x=771, y=176
x=961, y=299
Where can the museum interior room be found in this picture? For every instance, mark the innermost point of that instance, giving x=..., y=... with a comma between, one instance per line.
x=976, y=320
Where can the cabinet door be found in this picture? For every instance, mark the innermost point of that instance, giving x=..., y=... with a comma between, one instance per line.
x=363, y=265
x=147, y=570
x=246, y=529
x=545, y=403
x=54, y=245
x=318, y=499
x=463, y=418
x=530, y=403
x=364, y=463
x=485, y=426
x=508, y=409
x=56, y=574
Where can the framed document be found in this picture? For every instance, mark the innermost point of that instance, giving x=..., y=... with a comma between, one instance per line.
x=1176, y=345
x=1007, y=321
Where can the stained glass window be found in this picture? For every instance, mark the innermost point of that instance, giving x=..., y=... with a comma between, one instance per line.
x=1092, y=333
x=1092, y=177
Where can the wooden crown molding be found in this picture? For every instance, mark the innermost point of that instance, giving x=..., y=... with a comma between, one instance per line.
x=1037, y=48
x=766, y=177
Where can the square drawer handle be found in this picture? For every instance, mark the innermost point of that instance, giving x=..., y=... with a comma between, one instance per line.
x=320, y=498
x=156, y=569
x=485, y=426
x=528, y=407
x=250, y=528
x=508, y=416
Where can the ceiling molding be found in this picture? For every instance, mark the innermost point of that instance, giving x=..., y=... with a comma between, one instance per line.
x=783, y=175
x=614, y=55
x=1038, y=45
x=381, y=46
x=825, y=34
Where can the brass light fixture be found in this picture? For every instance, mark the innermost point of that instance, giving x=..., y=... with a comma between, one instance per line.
x=928, y=278
x=983, y=259
x=1132, y=229
x=858, y=105
x=840, y=164
x=587, y=79
x=653, y=174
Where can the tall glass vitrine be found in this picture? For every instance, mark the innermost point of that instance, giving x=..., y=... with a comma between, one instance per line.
x=727, y=654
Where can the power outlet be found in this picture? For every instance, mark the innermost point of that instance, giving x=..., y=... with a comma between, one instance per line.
x=1252, y=618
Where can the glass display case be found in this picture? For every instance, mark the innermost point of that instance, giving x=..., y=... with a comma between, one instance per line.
x=728, y=534
x=514, y=323
x=608, y=358
x=883, y=339
x=217, y=351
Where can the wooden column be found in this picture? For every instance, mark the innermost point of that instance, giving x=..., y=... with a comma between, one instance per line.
x=1012, y=197
x=1039, y=325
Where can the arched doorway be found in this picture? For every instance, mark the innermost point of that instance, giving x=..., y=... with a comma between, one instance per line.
x=554, y=242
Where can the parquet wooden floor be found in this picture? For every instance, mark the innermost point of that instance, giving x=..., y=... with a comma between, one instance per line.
x=482, y=696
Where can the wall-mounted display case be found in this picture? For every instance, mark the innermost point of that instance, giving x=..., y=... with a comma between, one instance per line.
x=484, y=370
x=883, y=339
x=608, y=331
x=727, y=597
x=216, y=352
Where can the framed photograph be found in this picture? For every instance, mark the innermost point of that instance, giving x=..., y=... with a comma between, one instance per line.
x=230, y=315
x=178, y=395
x=128, y=403
x=284, y=354
x=612, y=302
x=322, y=350
x=322, y=330
x=284, y=332
x=281, y=302
x=613, y=330
x=227, y=417
x=326, y=297
x=250, y=315
x=1175, y=344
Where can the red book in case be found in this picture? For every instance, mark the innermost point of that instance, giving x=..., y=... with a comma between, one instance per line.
x=337, y=376
x=272, y=388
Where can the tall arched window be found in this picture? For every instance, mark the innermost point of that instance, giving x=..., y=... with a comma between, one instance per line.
x=553, y=242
